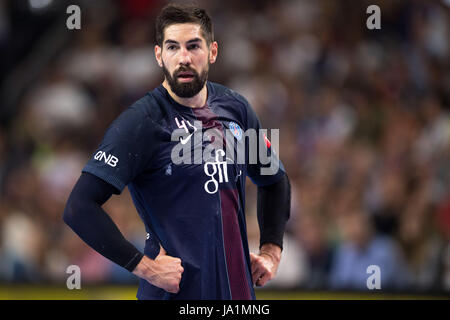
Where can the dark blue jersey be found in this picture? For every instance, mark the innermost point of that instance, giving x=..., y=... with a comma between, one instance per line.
x=195, y=209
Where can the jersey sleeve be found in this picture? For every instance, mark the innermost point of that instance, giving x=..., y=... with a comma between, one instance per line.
x=125, y=150
x=264, y=166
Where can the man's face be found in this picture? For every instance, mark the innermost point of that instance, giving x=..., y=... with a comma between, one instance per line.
x=185, y=57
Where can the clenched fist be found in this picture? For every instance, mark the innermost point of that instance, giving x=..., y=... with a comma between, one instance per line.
x=164, y=272
x=265, y=264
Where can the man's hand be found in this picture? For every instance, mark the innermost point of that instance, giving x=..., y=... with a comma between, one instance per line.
x=265, y=264
x=164, y=272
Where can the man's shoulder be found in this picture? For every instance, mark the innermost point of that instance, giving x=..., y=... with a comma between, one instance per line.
x=147, y=107
x=138, y=115
x=221, y=91
x=234, y=100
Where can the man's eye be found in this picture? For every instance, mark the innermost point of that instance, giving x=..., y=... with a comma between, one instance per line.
x=194, y=46
x=171, y=47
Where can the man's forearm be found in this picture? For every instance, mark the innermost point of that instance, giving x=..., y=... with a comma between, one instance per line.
x=273, y=210
x=84, y=214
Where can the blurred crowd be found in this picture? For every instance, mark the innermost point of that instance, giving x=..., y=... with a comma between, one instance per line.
x=364, y=129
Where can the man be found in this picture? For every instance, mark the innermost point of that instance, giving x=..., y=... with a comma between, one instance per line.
x=196, y=245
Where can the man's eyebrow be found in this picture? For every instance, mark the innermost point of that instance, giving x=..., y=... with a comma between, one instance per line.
x=194, y=40
x=170, y=41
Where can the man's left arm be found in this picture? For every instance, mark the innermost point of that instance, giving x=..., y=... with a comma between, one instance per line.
x=274, y=198
x=273, y=211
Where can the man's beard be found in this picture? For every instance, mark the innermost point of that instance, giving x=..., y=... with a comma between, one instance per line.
x=188, y=89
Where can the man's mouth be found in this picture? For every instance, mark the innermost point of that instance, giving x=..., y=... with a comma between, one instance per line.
x=185, y=76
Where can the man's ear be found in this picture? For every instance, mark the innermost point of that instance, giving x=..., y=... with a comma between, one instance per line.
x=158, y=55
x=213, y=51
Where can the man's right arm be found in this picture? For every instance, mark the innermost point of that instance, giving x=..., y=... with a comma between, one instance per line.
x=84, y=214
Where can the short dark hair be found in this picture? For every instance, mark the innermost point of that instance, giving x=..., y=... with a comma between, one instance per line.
x=178, y=13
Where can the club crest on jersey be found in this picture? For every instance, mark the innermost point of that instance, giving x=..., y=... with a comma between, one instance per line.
x=235, y=130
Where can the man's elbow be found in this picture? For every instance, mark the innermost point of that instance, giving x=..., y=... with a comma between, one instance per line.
x=282, y=184
x=68, y=214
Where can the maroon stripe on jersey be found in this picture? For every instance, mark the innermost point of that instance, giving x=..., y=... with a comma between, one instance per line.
x=234, y=252
x=233, y=246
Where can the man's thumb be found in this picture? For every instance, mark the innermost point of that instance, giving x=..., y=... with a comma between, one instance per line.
x=162, y=252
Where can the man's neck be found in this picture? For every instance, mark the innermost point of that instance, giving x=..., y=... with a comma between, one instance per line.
x=197, y=101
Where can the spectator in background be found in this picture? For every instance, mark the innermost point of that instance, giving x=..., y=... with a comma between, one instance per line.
x=361, y=248
x=443, y=222
x=312, y=236
x=2, y=157
x=421, y=245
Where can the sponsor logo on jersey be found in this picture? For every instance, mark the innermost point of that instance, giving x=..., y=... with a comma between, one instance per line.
x=109, y=159
x=213, y=168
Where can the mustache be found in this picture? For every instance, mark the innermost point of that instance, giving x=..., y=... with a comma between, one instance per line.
x=185, y=69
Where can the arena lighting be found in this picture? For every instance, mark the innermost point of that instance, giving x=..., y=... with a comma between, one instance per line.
x=39, y=4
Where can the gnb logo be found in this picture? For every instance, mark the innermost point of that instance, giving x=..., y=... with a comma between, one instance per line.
x=108, y=159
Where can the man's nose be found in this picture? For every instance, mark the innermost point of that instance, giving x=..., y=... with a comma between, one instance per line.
x=185, y=57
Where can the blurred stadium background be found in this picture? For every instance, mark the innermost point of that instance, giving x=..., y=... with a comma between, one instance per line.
x=364, y=129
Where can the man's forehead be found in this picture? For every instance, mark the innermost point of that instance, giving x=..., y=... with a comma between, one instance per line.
x=182, y=32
